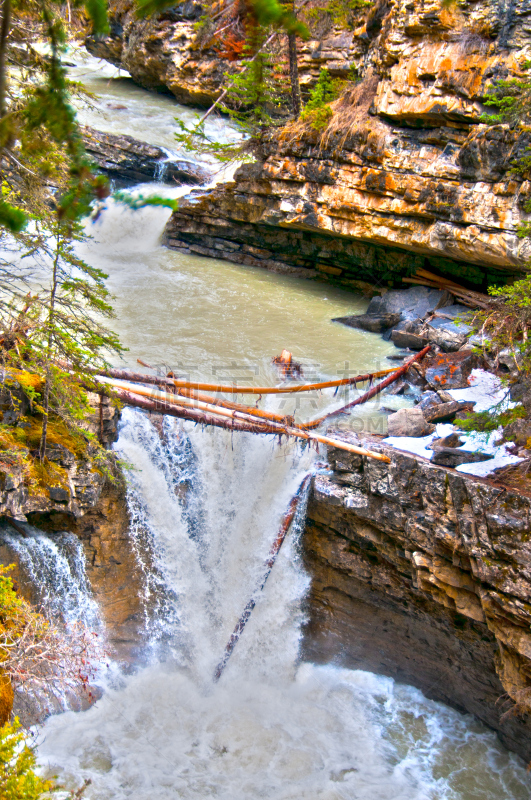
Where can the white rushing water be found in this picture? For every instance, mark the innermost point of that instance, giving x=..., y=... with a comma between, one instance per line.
x=54, y=564
x=210, y=504
x=207, y=504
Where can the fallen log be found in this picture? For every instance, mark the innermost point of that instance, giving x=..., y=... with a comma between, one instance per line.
x=266, y=427
x=287, y=519
x=181, y=412
x=269, y=415
x=122, y=374
x=303, y=387
x=17, y=526
x=424, y=273
x=136, y=377
x=375, y=389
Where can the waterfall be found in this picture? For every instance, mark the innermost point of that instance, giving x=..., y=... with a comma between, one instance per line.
x=206, y=507
x=206, y=537
x=54, y=564
x=161, y=169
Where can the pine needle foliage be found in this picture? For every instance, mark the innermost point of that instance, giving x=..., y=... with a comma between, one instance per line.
x=510, y=98
x=317, y=111
x=18, y=779
x=257, y=95
x=54, y=307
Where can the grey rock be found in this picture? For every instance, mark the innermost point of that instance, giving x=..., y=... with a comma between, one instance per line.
x=410, y=303
x=133, y=161
x=452, y=440
x=457, y=310
x=405, y=339
x=445, y=412
x=452, y=370
x=58, y=494
x=375, y=323
x=429, y=399
x=408, y=422
x=449, y=336
x=454, y=457
x=510, y=361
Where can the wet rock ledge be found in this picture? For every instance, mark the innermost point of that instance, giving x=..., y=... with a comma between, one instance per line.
x=132, y=161
x=424, y=574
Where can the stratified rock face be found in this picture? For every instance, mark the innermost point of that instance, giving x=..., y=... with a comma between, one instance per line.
x=174, y=52
x=423, y=574
x=113, y=572
x=406, y=175
x=162, y=53
x=132, y=161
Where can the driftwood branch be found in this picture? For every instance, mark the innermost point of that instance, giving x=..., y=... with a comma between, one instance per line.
x=302, y=387
x=375, y=389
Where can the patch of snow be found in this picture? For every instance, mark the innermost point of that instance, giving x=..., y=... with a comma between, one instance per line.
x=483, y=468
x=485, y=443
x=418, y=444
x=412, y=444
x=486, y=391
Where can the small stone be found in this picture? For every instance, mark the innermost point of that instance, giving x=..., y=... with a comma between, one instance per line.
x=428, y=400
x=409, y=422
x=452, y=440
x=445, y=412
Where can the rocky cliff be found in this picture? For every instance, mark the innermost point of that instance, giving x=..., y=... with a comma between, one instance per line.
x=405, y=174
x=423, y=573
x=72, y=494
x=177, y=53
x=163, y=53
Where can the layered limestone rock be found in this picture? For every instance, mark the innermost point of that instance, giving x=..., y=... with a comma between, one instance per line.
x=405, y=175
x=423, y=574
x=175, y=51
x=162, y=53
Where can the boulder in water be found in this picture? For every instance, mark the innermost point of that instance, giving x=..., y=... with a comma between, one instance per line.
x=411, y=303
x=375, y=323
x=132, y=161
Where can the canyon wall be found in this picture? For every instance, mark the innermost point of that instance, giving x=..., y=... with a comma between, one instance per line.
x=175, y=51
x=424, y=574
x=406, y=175
x=76, y=496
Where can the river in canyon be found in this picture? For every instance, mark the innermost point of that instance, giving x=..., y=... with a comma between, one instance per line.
x=208, y=505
